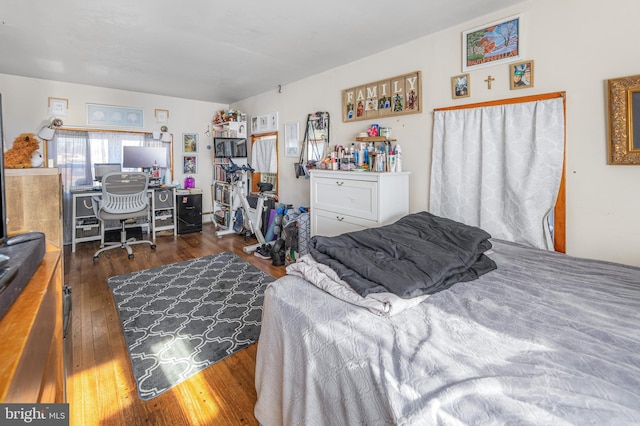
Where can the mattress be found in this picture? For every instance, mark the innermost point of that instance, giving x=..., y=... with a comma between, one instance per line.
x=544, y=339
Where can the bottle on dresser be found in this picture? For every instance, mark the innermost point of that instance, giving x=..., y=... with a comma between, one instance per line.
x=398, y=152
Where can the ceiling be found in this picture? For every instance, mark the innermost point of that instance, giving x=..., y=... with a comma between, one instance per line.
x=206, y=49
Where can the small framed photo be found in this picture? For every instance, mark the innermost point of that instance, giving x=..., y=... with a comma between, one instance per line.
x=460, y=86
x=263, y=123
x=273, y=122
x=521, y=75
x=190, y=142
x=58, y=106
x=162, y=115
x=189, y=164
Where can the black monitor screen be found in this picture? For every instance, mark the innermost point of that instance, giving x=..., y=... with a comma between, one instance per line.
x=143, y=157
x=101, y=169
x=229, y=147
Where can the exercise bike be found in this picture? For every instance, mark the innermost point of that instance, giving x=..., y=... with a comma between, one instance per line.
x=242, y=218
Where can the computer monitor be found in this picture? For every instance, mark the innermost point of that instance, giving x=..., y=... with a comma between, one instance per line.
x=143, y=157
x=101, y=169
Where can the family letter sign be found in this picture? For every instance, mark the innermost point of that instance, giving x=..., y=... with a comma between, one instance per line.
x=393, y=96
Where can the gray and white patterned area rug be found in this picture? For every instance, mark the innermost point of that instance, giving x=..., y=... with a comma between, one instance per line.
x=179, y=319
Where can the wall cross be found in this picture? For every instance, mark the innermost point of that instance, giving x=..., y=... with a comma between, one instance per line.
x=488, y=81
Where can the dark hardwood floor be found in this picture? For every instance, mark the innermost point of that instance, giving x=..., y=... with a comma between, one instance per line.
x=100, y=385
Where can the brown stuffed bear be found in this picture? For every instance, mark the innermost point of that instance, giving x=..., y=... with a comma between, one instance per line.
x=19, y=155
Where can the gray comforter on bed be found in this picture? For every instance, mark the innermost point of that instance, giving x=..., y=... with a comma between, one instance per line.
x=419, y=254
x=543, y=339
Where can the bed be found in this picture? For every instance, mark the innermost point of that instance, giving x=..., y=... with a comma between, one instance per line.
x=542, y=338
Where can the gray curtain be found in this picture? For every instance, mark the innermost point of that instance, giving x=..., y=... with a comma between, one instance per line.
x=71, y=153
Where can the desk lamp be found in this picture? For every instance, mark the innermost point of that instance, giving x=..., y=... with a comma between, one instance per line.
x=47, y=132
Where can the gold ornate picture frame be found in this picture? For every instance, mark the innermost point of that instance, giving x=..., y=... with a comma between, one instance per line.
x=624, y=120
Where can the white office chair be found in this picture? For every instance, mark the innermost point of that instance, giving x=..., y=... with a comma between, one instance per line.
x=124, y=198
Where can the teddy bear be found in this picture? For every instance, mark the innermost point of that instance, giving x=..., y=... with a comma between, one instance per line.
x=36, y=159
x=20, y=154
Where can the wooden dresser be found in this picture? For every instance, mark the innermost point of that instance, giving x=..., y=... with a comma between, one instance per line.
x=34, y=202
x=32, y=367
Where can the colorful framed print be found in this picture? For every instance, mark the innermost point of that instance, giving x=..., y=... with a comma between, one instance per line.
x=521, y=75
x=460, y=87
x=189, y=164
x=492, y=44
x=190, y=142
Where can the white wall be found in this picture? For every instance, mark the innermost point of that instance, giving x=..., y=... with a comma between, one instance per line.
x=24, y=110
x=575, y=49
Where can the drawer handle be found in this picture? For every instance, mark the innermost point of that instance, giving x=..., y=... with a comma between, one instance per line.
x=339, y=183
x=87, y=205
x=340, y=219
x=163, y=197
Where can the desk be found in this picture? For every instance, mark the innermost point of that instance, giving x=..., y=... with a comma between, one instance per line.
x=87, y=227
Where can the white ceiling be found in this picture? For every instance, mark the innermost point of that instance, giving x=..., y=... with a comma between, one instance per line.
x=210, y=50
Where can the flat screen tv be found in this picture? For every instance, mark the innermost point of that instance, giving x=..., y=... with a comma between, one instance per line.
x=229, y=147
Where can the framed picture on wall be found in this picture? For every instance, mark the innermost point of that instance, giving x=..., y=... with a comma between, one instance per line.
x=189, y=164
x=521, y=75
x=109, y=115
x=190, y=142
x=292, y=139
x=162, y=115
x=492, y=44
x=58, y=106
x=460, y=86
x=624, y=120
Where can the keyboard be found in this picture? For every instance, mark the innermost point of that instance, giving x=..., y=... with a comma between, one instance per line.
x=85, y=188
x=81, y=188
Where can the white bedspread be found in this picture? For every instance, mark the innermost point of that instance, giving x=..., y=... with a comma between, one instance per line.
x=544, y=339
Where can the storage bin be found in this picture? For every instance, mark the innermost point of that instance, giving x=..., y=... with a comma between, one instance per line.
x=88, y=231
x=164, y=221
x=84, y=207
x=163, y=198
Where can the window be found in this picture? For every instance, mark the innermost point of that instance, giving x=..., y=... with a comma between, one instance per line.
x=76, y=151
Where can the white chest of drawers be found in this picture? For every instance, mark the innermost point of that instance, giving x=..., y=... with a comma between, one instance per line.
x=350, y=201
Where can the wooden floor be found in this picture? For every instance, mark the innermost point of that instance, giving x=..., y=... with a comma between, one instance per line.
x=100, y=385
